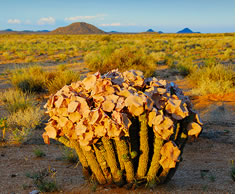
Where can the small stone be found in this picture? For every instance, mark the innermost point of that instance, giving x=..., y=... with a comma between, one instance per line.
x=34, y=192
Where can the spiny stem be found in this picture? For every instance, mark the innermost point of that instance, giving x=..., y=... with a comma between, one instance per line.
x=112, y=162
x=152, y=173
x=103, y=164
x=65, y=141
x=119, y=154
x=95, y=167
x=129, y=168
x=144, y=146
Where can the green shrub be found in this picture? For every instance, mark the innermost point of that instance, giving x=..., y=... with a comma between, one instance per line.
x=124, y=58
x=60, y=79
x=216, y=79
x=15, y=100
x=106, y=38
x=69, y=155
x=44, y=180
x=22, y=123
x=29, y=79
x=38, y=152
x=28, y=118
x=34, y=79
x=62, y=67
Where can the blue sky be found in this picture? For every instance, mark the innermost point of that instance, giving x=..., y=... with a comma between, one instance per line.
x=206, y=16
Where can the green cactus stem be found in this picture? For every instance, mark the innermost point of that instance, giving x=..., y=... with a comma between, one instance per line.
x=65, y=141
x=75, y=145
x=120, y=158
x=154, y=167
x=103, y=164
x=144, y=147
x=111, y=160
x=94, y=166
x=126, y=157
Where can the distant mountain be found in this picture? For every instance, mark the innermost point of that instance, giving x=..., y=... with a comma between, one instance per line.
x=78, y=28
x=186, y=30
x=160, y=32
x=8, y=30
x=150, y=30
x=43, y=31
x=114, y=32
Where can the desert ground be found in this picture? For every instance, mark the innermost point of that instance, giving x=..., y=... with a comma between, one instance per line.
x=206, y=165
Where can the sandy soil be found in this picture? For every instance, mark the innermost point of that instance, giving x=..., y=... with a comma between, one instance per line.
x=205, y=167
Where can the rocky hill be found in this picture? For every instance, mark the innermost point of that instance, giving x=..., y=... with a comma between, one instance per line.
x=78, y=28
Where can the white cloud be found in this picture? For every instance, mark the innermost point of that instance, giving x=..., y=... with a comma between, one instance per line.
x=28, y=22
x=79, y=18
x=44, y=21
x=112, y=24
x=14, y=21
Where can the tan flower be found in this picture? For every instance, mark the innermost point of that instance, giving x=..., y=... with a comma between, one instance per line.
x=170, y=155
x=194, y=129
x=50, y=131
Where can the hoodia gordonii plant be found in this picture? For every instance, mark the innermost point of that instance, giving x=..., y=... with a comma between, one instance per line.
x=125, y=129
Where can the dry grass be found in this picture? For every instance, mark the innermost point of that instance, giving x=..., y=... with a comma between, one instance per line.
x=35, y=79
x=186, y=52
x=15, y=100
x=124, y=58
x=216, y=79
x=60, y=79
x=22, y=123
x=29, y=79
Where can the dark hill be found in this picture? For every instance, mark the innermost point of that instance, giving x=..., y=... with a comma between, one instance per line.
x=186, y=30
x=8, y=30
x=150, y=30
x=78, y=28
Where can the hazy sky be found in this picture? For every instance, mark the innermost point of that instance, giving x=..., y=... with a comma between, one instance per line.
x=120, y=15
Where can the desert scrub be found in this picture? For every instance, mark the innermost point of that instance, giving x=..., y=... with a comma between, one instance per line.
x=69, y=155
x=27, y=118
x=61, y=78
x=15, y=100
x=44, y=180
x=213, y=79
x=23, y=115
x=29, y=79
x=35, y=79
x=122, y=58
x=39, y=153
x=22, y=123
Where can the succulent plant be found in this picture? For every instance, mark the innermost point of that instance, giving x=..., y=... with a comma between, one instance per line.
x=123, y=126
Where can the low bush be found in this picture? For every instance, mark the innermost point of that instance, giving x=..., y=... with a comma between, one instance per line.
x=29, y=79
x=213, y=79
x=69, y=155
x=28, y=118
x=125, y=58
x=15, y=100
x=22, y=123
x=34, y=79
x=38, y=152
x=44, y=180
x=60, y=79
